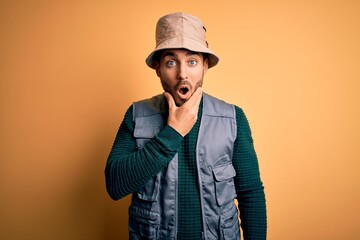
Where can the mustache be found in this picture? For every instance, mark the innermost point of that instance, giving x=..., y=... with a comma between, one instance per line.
x=187, y=84
x=181, y=84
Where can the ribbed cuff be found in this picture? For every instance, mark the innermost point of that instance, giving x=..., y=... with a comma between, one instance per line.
x=170, y=138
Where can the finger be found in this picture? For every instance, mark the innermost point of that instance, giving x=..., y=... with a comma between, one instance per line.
x=199, y=93
x=196, y=97
x=169, y=99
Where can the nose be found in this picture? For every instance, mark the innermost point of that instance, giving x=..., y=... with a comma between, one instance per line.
x=182, y=72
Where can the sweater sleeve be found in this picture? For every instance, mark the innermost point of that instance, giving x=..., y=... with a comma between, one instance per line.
x=128, y=168
x=249, y=188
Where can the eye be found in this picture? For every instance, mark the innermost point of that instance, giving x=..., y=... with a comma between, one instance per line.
x=170, y=63
x=192, y=62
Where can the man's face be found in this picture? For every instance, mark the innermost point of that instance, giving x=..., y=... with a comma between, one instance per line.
x=181, y=72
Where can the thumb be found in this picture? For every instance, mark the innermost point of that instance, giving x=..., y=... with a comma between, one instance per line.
x=169, y=99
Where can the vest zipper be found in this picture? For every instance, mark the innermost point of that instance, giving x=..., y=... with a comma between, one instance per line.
x=199, y=180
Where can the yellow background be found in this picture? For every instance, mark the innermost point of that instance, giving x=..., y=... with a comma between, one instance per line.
x=70, y=69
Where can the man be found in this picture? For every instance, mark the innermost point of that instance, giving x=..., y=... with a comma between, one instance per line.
x=184, y=155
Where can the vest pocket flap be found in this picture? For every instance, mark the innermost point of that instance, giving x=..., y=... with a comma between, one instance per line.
x=224, y=172
x=146, y=131
x=148, y=127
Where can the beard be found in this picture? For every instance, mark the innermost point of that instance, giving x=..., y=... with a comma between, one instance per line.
x=182, y=91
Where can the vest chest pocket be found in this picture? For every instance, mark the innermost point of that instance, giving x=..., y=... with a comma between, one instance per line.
x=224, y=183
x=146, y=128
x=143, y=134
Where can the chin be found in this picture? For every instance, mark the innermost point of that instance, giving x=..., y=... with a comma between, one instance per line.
x=180, y=102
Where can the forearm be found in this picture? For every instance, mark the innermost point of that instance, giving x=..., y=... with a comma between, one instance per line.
x=128, y=168
x=253, y=213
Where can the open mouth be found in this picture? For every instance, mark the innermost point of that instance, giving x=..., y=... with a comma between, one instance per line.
x=183, y=90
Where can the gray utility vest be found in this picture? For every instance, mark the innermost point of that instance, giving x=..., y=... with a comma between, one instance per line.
x=153, y=209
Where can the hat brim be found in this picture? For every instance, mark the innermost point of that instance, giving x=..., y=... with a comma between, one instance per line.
x=183, y=43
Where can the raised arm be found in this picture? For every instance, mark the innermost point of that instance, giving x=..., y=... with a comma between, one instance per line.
x=128, y=168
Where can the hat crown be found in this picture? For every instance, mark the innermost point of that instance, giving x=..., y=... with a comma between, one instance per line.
x=179, y=25
x=181, y=31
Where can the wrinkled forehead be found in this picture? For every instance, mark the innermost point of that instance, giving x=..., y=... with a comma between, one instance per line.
x=176, y=53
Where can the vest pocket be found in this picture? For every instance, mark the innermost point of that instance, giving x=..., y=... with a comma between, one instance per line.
x=150, y=190
x=143, y=224
x=229, y=224
x=224, y=183
x=146, y=128
x=144, y=134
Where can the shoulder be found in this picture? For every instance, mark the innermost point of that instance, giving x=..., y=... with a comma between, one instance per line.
x=152, y=99
x=239, y=112
x=213, y=106
x=216, y=106
x=150, y=106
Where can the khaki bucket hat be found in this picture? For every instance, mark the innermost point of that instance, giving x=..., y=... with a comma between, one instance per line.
x=181, y=30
